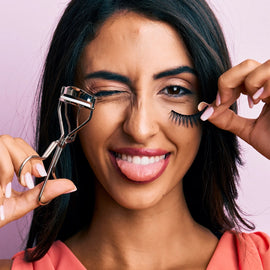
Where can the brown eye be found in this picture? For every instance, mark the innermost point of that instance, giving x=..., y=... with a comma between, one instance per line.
x=176, y=90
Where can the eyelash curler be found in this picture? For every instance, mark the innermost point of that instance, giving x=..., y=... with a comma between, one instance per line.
x=80, y=99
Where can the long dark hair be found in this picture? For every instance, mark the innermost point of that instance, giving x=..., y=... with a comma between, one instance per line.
x=210, y=186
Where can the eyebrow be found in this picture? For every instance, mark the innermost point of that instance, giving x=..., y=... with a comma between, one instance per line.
x=174, y=71
x=111, y=76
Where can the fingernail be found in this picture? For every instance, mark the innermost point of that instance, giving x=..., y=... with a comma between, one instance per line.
x=218, y=100
x=8, y=190
x=2, y=213
x=258, y=93
x=73, y=190
x=41, y=170
x=250, y=102
x=208, y=112
x=202, y=105
x=29, y=180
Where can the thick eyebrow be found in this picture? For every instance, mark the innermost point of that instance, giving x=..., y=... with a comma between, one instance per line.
x=110, y=76
x=175, y=71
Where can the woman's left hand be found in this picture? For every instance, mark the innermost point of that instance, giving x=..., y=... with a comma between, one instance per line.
x=252, y=79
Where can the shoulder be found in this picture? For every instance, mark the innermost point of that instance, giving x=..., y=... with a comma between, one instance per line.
x=246, y=251
x=253, y=250
x=58, y=257
x=259, y=240
x=5, y=264
x=255, y=247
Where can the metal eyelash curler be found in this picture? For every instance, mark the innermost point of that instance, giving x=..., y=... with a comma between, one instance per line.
x=69, y=95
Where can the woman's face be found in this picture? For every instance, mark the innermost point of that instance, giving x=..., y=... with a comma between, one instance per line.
x=138, y=142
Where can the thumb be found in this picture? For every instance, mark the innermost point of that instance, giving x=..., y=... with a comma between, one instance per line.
x=226, y=119
x=53, y=189
x=28, y=200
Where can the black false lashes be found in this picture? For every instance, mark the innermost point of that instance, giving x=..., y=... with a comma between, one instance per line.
x=185, y=120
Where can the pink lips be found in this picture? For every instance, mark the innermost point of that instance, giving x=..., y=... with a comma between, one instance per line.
x=139, y=164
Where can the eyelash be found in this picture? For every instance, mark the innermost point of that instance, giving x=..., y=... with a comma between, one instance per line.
x=107, y=93
x=177, y=118
x=182, y=89
x=185, y=120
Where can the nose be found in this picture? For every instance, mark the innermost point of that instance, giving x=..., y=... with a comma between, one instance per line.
x=141, y=122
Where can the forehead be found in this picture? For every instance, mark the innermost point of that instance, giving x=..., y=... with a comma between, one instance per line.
x=130, y=38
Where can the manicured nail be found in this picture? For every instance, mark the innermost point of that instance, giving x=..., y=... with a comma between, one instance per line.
x=218, y=100
x=73, y=190
x=29, y=180
x=202, y=105
x=41, y=170
x=208, y=112
x=250, y=102
x=8, y=190
x=2, y=213
x=258, y=93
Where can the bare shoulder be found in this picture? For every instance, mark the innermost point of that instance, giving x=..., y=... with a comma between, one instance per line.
x=5, y=264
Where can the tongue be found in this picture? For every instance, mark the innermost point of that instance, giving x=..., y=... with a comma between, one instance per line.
x=137, y=172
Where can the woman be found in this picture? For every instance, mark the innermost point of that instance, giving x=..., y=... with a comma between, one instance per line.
x=154, y=184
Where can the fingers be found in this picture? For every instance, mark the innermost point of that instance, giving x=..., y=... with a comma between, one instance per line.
x=13, y=151
x=37, y=167
x=257, y=83
x=252, y=79
x=234, y=81
x=6, y=168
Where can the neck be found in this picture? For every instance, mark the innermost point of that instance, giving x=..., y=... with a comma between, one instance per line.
x=154, y=237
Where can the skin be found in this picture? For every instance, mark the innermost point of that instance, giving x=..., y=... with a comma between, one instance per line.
x=154, y=216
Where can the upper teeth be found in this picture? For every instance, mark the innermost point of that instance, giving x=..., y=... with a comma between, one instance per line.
x=142, y=160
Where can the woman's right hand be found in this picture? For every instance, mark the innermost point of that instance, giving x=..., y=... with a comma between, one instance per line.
x=14, y=204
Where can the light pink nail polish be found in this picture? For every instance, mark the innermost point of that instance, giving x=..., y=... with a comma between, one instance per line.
x=8, y=190
x=250, y=102
x=258, y=93
x=218, y=100
x=2, y=213
x=41, y=170
x=29, y=180
x=73, y=190
x=208, y=112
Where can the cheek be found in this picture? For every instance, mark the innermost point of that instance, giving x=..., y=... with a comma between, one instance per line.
x=186, y=141
x=95, y=135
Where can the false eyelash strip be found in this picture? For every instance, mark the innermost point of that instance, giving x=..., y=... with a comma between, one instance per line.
x=186, y=120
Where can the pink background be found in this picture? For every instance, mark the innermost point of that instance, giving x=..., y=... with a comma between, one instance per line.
x=26, y=28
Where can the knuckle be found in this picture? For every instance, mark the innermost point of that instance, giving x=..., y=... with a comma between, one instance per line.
x=250, y=63
x=249, y=83
x=19, y=140
x=7, y=139
x=222, y=81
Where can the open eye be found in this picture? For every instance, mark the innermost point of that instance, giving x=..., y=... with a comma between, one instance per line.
x=175, y=90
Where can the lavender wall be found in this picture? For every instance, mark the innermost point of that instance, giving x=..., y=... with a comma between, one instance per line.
x=26, y=28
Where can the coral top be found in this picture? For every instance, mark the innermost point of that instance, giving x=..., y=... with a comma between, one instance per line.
x=234, y=251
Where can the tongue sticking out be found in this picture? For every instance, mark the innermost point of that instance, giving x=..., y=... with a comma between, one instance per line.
x=138, y=172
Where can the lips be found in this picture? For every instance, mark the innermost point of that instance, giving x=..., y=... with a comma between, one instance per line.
x=140, y=165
